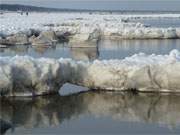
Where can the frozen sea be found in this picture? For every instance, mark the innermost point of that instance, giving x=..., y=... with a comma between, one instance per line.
x=77, y=110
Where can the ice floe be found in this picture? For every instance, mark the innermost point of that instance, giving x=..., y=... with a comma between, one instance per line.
x=27, y=76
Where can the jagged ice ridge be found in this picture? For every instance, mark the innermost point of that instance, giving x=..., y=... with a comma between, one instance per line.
x=27, y=76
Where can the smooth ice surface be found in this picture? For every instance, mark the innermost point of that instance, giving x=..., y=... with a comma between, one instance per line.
x=27, y=76
x=83, y=24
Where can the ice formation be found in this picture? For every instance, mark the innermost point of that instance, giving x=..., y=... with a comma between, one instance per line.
x=27, y=76
x=84, y=26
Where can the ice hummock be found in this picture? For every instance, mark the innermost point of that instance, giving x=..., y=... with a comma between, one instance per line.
x=27, y=76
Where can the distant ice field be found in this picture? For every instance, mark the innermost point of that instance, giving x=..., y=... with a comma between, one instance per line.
x=14, y=22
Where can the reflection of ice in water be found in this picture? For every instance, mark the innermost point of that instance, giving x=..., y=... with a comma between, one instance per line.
x=107, y=49
x=88, y=54
x=42, y=50
x=119, y=49
x=55, y=110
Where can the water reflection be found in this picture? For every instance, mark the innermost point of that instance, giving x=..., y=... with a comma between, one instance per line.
x=107, y=49
x=19, y=49
x=87, y=54
x=54, y=110
x=42, y=50
x=119, y=49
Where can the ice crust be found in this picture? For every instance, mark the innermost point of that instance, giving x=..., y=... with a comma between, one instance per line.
x=83, y=24
x=27, y=76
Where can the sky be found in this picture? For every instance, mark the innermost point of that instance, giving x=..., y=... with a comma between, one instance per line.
x=170, y=5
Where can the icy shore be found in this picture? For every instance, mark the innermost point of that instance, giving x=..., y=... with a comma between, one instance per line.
x=26, y=76
x=84, y=26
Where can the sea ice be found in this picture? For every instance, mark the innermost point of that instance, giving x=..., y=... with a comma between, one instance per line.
x=84, y=26
x=27, y=76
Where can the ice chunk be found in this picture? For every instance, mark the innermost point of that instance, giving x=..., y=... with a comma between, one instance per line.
x=24, y=75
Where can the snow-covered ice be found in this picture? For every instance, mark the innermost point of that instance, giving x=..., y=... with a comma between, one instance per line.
x=27, y=76
x=82, y=24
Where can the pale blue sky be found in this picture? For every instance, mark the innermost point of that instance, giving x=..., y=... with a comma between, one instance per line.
x=103, y=4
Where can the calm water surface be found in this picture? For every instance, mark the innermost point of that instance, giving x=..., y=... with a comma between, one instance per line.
x=94, y=113
x=107, y=49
